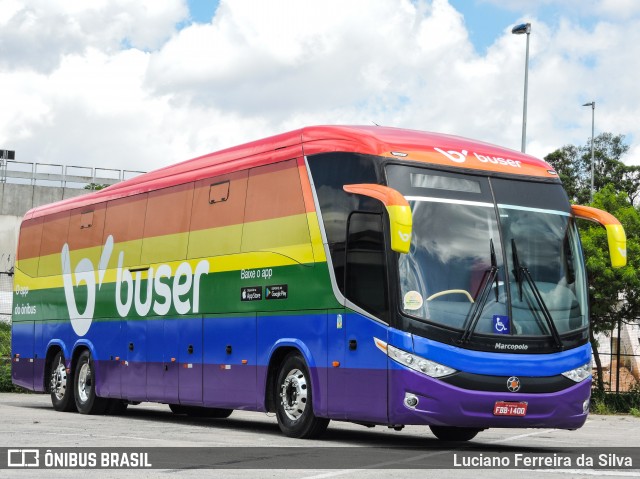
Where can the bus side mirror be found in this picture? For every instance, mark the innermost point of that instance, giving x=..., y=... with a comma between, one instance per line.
x=400, y=219
x=615, y=232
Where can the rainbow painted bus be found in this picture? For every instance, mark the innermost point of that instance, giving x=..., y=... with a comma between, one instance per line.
x=367, y=274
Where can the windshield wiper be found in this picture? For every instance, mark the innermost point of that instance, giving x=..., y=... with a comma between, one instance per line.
x=521, y=271
x=491, y=276
x=518, y=273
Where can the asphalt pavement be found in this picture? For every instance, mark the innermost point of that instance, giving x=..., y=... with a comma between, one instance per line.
x=256, y=448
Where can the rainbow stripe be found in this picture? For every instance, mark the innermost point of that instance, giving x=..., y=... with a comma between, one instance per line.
x=266, y=225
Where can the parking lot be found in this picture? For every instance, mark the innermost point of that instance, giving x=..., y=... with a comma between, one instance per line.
x=28, y=421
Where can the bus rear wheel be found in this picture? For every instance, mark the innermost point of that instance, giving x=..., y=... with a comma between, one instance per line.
x=293, y=399
x=87, y=401
x=447, y=433
x=61, y=385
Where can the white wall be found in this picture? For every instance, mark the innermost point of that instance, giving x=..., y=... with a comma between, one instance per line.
x=9, y=228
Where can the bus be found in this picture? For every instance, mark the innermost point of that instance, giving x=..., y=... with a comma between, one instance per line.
x=374, y=275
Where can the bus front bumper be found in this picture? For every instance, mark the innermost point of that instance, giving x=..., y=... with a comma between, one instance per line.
x=442, y=404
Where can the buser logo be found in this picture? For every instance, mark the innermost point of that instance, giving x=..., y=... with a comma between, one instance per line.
x=461, y=157
x=162, y=292
x=456, y=156
x=84, y=273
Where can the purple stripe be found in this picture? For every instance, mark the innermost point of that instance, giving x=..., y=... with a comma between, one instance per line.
x=446, y=405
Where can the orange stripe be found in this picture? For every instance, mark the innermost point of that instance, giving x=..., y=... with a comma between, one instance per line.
x=274, y=192
x=307, y=192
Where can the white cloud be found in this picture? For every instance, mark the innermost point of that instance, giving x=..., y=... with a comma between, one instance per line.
x=37, y=34
x=114, y=84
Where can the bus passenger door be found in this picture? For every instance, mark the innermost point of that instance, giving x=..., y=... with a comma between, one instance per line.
x=365, y=366
x=336, y=380
x=190, y=356
x=134, y=372
x=365, y=370
x=230, y=356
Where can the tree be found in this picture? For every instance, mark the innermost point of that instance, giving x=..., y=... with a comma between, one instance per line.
x=614, y=294
x=573, y=164
x=95, y=186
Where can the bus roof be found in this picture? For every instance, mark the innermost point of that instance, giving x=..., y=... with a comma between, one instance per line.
x=402, y=144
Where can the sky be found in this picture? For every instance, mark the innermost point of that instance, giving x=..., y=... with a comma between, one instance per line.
x=141, y=84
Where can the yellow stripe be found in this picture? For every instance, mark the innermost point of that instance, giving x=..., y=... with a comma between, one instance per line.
x=217, y=239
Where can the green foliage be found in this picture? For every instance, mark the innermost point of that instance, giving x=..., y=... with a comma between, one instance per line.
x=5, y=359
x=95, y=186
x=609, y=286
x=614, y=295
x=573, y=164
x=622, y=403
x=5, y=340
x=6, y=386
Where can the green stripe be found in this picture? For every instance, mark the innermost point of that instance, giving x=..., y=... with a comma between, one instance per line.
x=309, y=287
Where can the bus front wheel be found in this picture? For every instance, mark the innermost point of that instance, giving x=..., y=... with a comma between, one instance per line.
x=446, y=433
x=293, y=399
x=87, y=401
x=61, y=385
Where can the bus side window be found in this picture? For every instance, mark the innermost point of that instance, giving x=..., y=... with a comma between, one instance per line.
x=29, y=246
x=330, y=172
x=217, y=215
x=365, y=272
x=85, y=237
x=275, y=218
x=166, y=225
x=54, y=237
x=125, y=222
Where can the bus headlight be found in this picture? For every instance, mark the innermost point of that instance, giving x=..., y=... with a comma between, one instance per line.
x=419, y=364
x=579, y=374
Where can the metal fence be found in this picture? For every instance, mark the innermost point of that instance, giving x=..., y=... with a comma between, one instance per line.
x=6, y=296
x=50, y=174
x=620, y=357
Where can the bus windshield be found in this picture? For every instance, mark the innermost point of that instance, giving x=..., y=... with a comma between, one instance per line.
x=490, y=255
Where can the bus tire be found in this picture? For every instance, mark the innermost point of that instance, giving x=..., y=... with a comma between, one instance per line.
x=61, y=385
x=294, y=400
x=448, y=433
x=87, y=401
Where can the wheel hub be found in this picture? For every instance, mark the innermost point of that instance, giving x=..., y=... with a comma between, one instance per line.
x=293, y=394
x=58, y=383
x=84, y=382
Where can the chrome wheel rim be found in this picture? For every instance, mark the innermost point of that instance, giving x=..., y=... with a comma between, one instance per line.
x=84, y=382
x=59, y=380
x=293, y=394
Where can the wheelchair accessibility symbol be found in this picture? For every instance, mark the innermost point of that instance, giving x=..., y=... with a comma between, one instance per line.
x=501, y=324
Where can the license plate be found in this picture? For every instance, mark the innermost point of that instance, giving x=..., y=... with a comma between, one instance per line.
x=504, y=408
